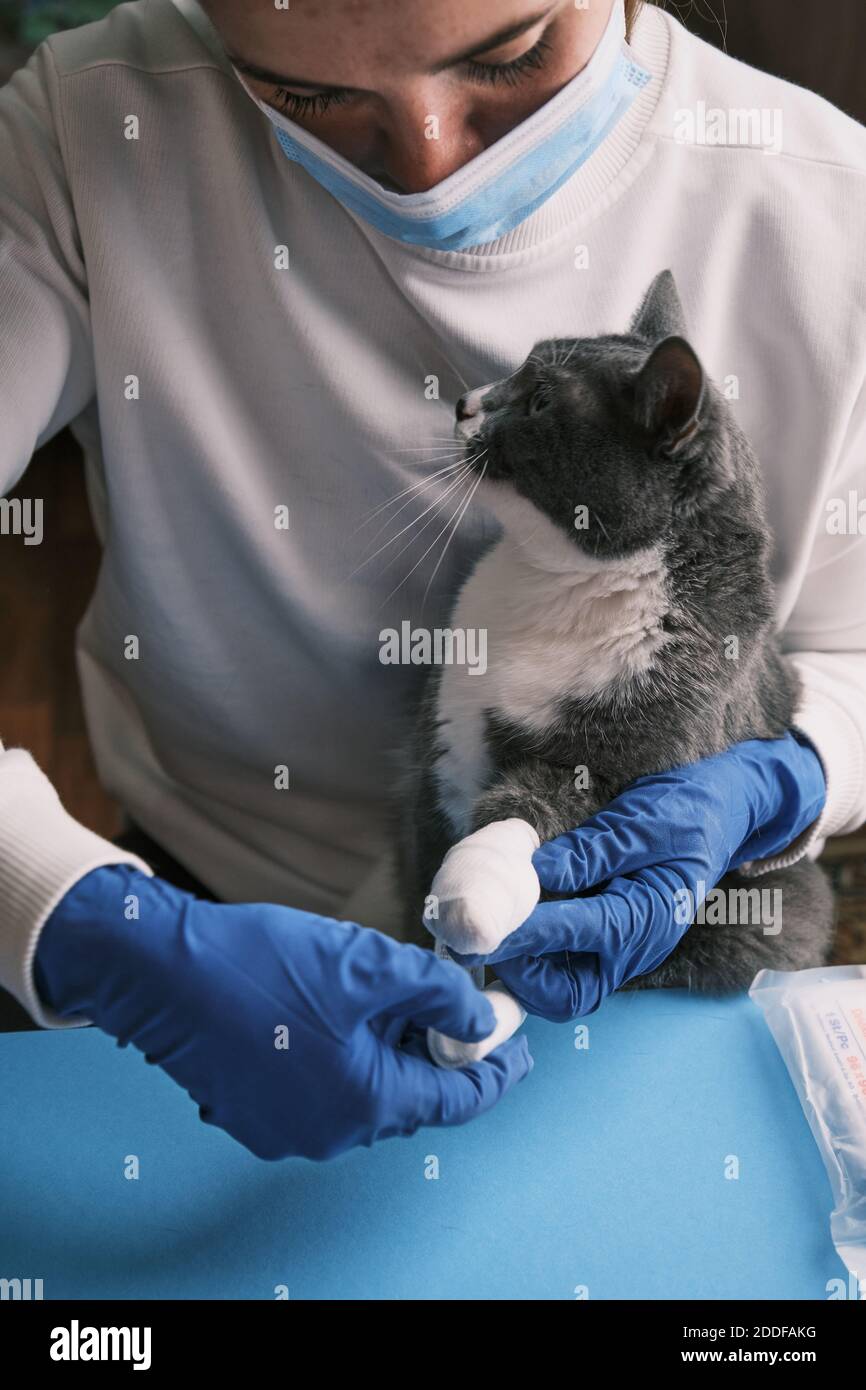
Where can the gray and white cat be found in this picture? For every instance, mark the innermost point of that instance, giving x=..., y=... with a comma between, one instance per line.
x=607, y=643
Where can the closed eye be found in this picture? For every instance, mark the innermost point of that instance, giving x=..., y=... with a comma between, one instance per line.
x=539, y=400
x=491, y=74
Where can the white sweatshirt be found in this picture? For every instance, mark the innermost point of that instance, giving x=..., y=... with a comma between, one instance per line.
x=143, y=300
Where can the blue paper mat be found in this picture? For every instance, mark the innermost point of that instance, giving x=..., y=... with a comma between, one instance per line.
x=605, y=1171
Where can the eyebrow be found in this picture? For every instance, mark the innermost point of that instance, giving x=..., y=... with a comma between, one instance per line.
x=262, y=74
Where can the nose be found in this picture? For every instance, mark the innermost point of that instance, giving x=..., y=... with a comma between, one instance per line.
x=414, y=160
x=466, y=409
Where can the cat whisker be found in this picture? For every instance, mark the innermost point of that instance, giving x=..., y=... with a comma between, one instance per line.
x=598, y=519
x=568, y=356
x=450, y=365
x=466, y=504
x=430, y=547
x=459, y=375
x=420, y=486
x=410, y=525
x=428, y=438
x=435, y=458
x=415, y=497
x=437, y=512
x=458, y=512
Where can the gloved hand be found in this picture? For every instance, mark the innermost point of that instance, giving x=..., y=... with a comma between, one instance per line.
x=202, y=989
x=664, y=835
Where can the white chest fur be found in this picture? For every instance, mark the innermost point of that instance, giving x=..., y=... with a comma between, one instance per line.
x=558, y=624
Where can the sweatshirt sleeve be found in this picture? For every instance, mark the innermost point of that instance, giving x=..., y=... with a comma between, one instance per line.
x=46, y=362
x=46, y=379
x=825, y=640
x=43, y=852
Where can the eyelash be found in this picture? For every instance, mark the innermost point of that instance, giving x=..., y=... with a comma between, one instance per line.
x=490, y=74
x=540, y=398
x=315, y=105
x=494, y=73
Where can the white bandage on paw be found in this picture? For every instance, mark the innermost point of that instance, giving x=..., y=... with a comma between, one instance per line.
x=486, y=887
x=476, y=973
x=451, y=1053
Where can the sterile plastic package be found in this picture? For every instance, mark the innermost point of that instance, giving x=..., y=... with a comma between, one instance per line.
x=818, y=1019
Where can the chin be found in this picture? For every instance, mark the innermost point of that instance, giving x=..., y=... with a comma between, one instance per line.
x=545, y=543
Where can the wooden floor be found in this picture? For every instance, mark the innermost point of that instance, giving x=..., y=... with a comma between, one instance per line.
x=44, y=591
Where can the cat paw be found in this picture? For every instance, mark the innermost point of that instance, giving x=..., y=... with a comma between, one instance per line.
x=486, y=886
x=451, y=1052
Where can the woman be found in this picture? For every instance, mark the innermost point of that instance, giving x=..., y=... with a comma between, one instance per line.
x=214, y=273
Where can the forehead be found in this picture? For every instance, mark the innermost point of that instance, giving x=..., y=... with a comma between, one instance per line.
x=359, y=42
x=575, y=355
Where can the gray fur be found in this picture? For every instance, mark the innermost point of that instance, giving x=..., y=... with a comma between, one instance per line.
x=677, y=471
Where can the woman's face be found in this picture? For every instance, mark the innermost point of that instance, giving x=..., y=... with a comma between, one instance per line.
x=365, y=76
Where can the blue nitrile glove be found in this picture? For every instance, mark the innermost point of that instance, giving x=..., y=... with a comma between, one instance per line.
x=665, y=834
x=203, y=990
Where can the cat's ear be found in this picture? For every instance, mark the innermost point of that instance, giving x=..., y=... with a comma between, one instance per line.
x=668, y=393
x=661, y=313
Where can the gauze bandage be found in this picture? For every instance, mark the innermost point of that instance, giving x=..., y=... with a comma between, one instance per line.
x=450, y=1052
x=818, y=1019
x=486, y=886
x=484, y=889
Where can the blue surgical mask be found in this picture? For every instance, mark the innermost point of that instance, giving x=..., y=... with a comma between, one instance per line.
x=500, y=187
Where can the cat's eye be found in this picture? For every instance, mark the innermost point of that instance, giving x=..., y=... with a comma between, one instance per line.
x=538, y=401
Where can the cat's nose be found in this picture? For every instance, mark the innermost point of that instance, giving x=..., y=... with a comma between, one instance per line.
x=469, y=413
x=470, y=404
